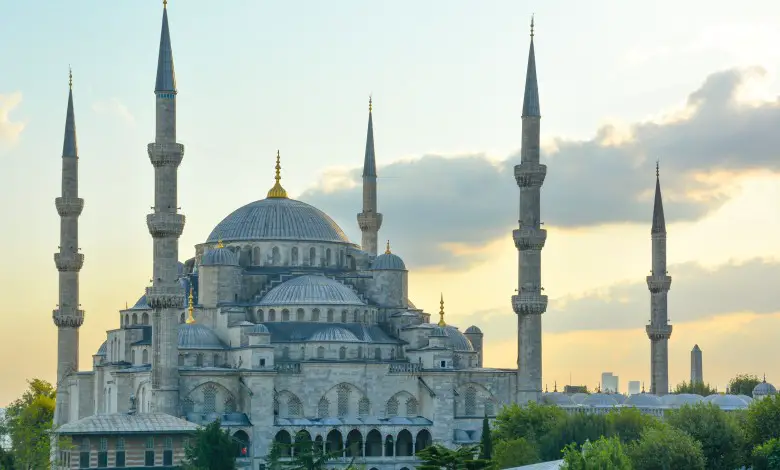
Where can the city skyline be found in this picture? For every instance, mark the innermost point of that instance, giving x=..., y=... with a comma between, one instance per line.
x=716, y=185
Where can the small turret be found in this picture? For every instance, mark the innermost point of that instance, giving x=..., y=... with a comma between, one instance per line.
x=219, y=276
x=391, y=281
x=474, y=334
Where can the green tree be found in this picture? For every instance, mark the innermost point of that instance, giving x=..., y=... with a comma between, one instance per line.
x=486, y=446
x=603, y=454
x=438, y=457
x=27, y=423
x=6, y=460
x=722, y=440
x=762, y=421
x=210, y=447
x=514, y=453
x=699, y=388
x=666, y=448
x=577, y=429
x=743, y=384
x=532, y=421
x=767, y=456
x=628, y=423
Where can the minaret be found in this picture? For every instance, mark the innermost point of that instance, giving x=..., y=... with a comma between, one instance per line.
x=165, y=224
x=529, y=304
x=369, y=220
x=697, y=372
x=659, y=330
x=68, y=316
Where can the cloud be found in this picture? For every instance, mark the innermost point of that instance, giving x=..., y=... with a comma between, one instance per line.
x=9, y=130
x=114, y=107
x=463, y=202
x=697, y=293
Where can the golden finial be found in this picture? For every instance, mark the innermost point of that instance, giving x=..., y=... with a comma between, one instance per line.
x=370, y=105
x=165, y=3
x=190, y=318
x=70, y=77
x=441, y=312
x=532, y=25
x=387, y=250
x=656, y=168
x=277, y=191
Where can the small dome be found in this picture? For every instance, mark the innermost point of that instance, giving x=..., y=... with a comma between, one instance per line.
x=197, y=336
x=556, y=398
x=709, y=398
x=669, y=399
x=746, y=399
x=388, y=261
x=258, y=329
x=764, y=389
x=643, y=400
x=102, y=350
x=311, y=290
x=335, y=333
x=688, y=399
x=599, y=400
x=473, y=330
x=729, y=402
x=458, y=340
x=219, y=257
x=438, y=332
x=578, y=398
x=141, y=304
x=619, y=397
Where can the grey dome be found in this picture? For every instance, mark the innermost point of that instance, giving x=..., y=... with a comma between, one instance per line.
x=197, y=336
x=311, y=290
x=439, y=332
x=278, y=219
x=669, y=399
x=709, y=398
x=141, y=304
x=599, y=400
x=458, y=340
x=643, y=400
x=578, y=398
x=388, y=261
x=763, y=389
x=688, y=399
x=335, y=333
x=473, y=330
x=557, y=398
x=219, y=257
x=729, y=402
x=746, y=399
x=103, y=349
x=258, y=329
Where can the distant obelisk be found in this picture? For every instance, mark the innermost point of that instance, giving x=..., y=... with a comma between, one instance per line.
x=697, y=374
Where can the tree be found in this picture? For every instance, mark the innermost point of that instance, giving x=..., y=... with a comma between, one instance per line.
x=767, y=455
x=438, y=457
x=210, y=447
x=721, y=439
x=577, y=429
x=762, y=421
x=743, y=384
x=603, y=454
x=515, y=453
x=531, y=422
x=666, y=448
x=699, y=388
x=486, y=446
x=6, y=460
x=629, y=423
x=27, y=422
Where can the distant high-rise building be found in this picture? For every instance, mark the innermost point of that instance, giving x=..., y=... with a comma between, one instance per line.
x=697, y=374
x=609, y=382
x=633, y=387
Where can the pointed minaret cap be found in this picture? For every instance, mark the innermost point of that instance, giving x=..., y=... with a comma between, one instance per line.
x=190, y=318
x=659, y=223
x=441, y=312
x=277, y=192
x=531, y=96
x=70, y=148
x=369, y=163
x=696, y=347
x=166, y=76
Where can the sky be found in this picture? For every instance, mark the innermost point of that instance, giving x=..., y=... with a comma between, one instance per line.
x=622, y=84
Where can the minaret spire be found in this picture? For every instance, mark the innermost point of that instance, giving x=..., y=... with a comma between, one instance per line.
x=659, y=330
x=529, y=304
x=370, y=220
x=165, y=225
x=68, y=317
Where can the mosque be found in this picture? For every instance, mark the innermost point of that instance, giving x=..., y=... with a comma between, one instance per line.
x=280, y=327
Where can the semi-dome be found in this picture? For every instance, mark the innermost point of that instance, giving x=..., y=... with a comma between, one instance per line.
x=335, y=333
x=557, y=398
x=643, y=400
x=103, y=349
x=197, y=336
x=278, y=218
x=764, y=389
x=473, y=330
x=219, y=256
x=258, y=329
x=311, y=290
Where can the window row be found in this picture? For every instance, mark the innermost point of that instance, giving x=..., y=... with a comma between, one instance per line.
x=405, y=444
x=295, y=256
x=119, y=454
x=316, y=315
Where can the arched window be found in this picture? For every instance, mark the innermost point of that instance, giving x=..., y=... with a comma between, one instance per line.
x=285, y=315
x=378, y=354
x=230, y=405
x=330, y=315
x=272, y=315
x=411, y=407
x=256, y=256
x=321, y=353
x=135, y=319
x=327, y=257
x=315, y=315
x=145, y=357
x=276, y=257
x=323, y=408
x=181, y=359
x=209, y=398
x=356, y=316
x=181, y=318
x=199, y=360
x=299, y=314
x=294, y=407
x=132, y=356
x=127, y=320
x=216, y=360
x=363, y=406
x=360, y=352
x=313, y=257
x=294, y=256
x=260, y=315
x=343, y=316
x=145, y=318
x=343, y=400
x=471, y=402
x=342, y=353
x=392, y=407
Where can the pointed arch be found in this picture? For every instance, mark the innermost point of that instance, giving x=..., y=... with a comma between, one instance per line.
x=374, y=443
x=354, y=444
x=334, y=442
x=411, y=407
x=285, y=440
x=392, y=407
x=423, y=440
x=404, y=444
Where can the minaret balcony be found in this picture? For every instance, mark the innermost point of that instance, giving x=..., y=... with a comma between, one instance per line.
x=69, y=206
x=529, y=238
x=68, y=261
x=659, y=332
x=530, y=174
x=165, y=297
x=658, y=284
x=165, y=224
x=165, y=154
x=529, y=304
x=65, y=317
x=369, y=221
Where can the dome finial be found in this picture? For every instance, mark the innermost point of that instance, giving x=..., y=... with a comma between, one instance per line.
x=657, y=172
x=370, y=103
x=277, y=191
x=387, y=250
x=70, y=77
x=190, y=318
x=441, y=312
x=165, y=3
x=219, y=241
x=532, y=25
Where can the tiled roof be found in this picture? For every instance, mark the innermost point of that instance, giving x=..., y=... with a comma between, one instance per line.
x=121, y=423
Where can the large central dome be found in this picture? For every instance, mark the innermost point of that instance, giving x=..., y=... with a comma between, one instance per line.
x=278, y=219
